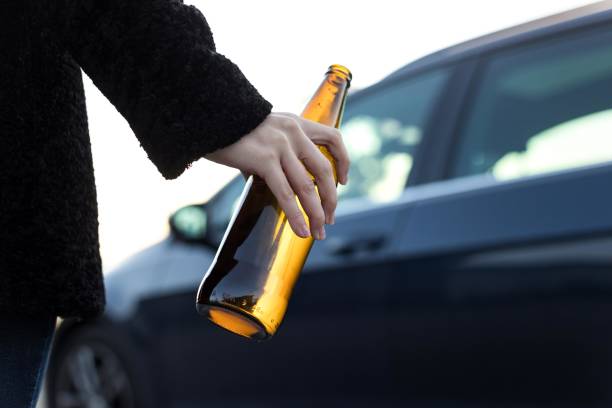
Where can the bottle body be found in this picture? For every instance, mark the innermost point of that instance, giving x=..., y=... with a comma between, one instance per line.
x=247, y=288
x=256, y=268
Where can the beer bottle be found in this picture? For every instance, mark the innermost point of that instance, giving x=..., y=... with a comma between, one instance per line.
x=248, y=285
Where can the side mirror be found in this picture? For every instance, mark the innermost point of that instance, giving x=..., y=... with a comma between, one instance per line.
x=190, y=223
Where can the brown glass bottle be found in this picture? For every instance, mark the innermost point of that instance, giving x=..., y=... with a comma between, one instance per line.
x=248, y=285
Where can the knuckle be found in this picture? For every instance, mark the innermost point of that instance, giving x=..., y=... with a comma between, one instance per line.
x=287, y=195
x=332, y=208
x=294, y=215
x=268, y=156
x=279, y=140
x=326, y=169
x=275, y=137
x=295, y=218
x=333, y=135
x=317, y=217
x=307, y=187
x=331, y=201
x=290, y=124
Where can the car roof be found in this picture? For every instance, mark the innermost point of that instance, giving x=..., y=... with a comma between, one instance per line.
x=591, y=14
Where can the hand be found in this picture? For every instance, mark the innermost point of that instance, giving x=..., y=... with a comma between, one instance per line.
x=282, y=150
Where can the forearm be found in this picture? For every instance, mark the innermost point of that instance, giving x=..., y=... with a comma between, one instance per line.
x=156, y=61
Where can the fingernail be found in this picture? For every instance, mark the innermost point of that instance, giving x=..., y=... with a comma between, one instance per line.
x=304, y=232
x=320, y=233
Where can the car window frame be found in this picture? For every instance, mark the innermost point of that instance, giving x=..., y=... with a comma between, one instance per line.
x=437, y=145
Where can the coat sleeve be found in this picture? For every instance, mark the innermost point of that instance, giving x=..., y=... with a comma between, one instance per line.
x=156, y=62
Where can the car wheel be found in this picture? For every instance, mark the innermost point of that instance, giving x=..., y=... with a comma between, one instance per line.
x=92, y=367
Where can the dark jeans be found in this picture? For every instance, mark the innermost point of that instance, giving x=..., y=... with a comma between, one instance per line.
x=24, y=348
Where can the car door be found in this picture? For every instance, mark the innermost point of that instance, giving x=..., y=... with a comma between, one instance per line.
x=501, y=290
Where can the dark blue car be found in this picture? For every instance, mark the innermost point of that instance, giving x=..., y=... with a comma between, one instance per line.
x=470, y=264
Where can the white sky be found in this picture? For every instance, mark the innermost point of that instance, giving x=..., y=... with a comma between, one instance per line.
x=283, y=47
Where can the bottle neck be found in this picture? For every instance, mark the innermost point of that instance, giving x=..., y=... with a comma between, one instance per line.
x=327, y=104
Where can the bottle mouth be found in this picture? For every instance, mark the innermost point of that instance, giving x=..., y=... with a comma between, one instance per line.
x=340, y=70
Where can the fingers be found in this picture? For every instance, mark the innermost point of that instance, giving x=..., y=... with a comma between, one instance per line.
x=304, y=187
x=321, y=169
x=332, y=139
x=302, y=148
x=280, y=187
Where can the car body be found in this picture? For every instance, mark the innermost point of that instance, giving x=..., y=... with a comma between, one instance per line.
x=470, y=263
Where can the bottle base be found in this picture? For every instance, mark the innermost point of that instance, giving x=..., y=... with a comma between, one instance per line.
x=234, y=321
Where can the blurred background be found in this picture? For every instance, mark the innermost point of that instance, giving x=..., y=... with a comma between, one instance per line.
x=470, y=263
x=283, y=48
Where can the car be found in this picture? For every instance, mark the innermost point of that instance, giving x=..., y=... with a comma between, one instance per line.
x=470, y=264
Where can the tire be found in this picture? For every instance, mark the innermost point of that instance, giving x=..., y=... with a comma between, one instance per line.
x=94, y=366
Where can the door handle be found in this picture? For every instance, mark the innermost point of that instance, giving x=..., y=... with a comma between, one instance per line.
x=348, y=247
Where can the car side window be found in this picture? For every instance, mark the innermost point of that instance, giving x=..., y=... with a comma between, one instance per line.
x=382, y=130
x=541, y=108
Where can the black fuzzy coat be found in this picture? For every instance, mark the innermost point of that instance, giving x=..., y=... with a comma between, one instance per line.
x=155, y=61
